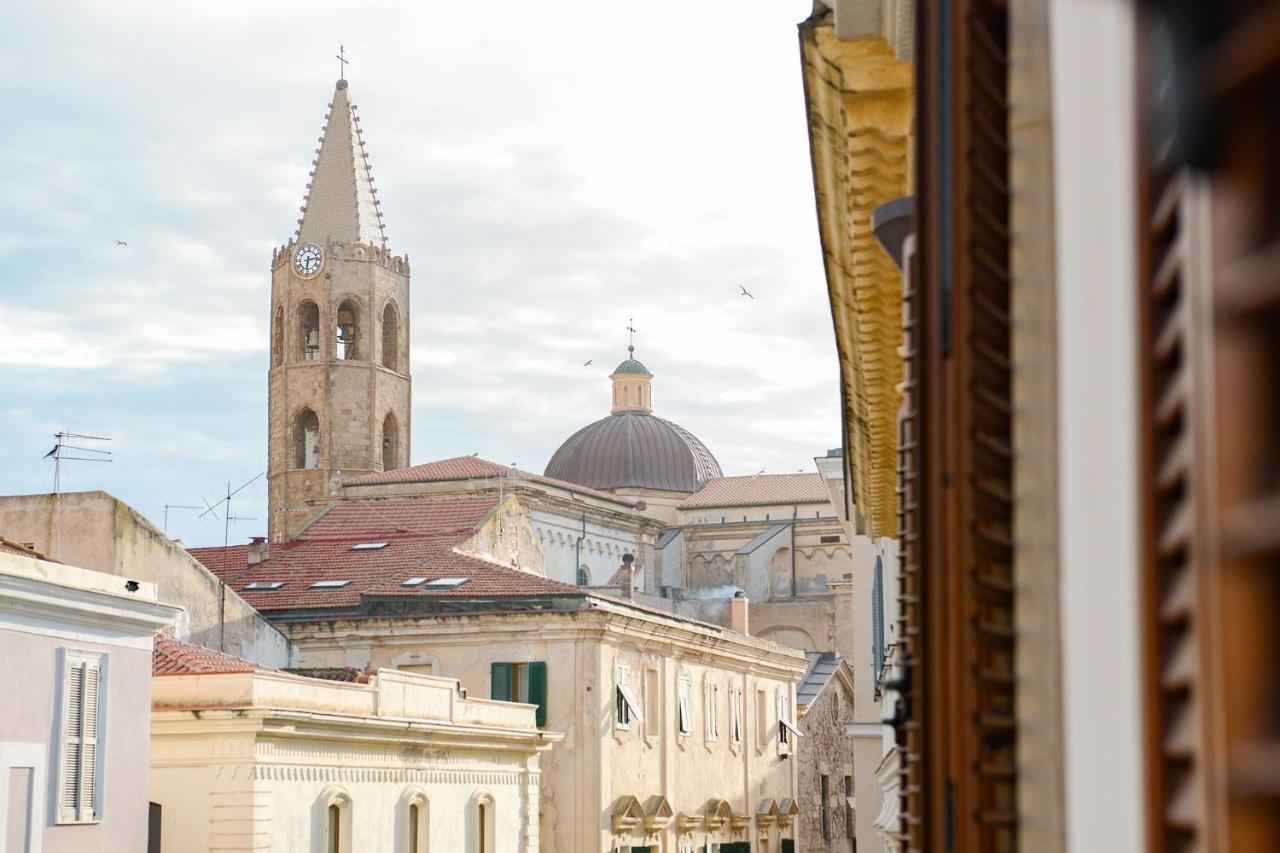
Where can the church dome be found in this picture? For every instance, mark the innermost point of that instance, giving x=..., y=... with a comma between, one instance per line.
x=634, y=449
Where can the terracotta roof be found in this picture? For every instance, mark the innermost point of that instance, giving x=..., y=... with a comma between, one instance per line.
x=634, y=449
x=8, y=546
x=402, y=540
x=174, y=657
x=760, y=490
x=468, y=468
x=226, y=563
x=344, y=674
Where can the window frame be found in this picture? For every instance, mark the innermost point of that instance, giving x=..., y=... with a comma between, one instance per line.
x=684, y=711
x=711, y=717
x=735, y=714
x=81, y=812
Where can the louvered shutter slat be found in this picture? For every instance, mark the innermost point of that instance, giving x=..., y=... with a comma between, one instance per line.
x=88, y=787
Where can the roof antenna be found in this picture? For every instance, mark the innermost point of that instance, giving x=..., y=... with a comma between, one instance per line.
x=227, y=518
x=59, y=455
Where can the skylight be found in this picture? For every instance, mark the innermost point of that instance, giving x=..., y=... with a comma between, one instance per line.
x=369, y=546
x=446, y=583
x=414, y=582
x=329, y=584
x=265, y=585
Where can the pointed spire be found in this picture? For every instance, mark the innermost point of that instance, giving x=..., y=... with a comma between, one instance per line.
x=341, y=203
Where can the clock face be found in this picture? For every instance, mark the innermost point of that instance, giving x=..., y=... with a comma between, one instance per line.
x=306, y=261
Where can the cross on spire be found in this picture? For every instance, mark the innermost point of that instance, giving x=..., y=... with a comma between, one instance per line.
x=631, y=329
x=342, y=62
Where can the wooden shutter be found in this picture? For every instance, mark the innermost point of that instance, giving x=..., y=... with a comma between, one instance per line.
x=500, y=681
x=1209, y=297
x=538, y=689
x=958, y=727
x=877, y=625
x=78, y=768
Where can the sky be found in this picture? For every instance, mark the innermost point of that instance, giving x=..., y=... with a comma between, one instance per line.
x=552, y=170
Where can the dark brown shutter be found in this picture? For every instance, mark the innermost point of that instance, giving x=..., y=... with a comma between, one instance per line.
x=1210, y=359
x=959, y=752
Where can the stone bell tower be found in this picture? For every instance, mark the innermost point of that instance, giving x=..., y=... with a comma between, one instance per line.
x=339, y=387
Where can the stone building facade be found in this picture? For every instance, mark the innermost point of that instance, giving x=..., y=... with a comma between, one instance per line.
x=827, y=820
x=339, y=387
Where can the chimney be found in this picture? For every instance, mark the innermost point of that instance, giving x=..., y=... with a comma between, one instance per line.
x=738, y=612
x=629, y=568
x=257, y=550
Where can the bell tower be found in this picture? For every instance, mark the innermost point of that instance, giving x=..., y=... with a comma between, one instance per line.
x=338, y=387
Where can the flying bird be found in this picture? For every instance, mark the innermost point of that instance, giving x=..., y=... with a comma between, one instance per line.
x=587, y=363
x=121, y=243
x=745, y=292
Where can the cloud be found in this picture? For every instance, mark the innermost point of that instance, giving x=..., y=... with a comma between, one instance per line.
x=551, y=170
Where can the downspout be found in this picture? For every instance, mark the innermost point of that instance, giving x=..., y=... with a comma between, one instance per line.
x=577, y=549
x=795, y=516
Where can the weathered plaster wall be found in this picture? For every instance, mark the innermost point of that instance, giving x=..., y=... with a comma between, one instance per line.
x=94, y=530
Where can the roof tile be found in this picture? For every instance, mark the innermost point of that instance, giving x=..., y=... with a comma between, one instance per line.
x=760, y=490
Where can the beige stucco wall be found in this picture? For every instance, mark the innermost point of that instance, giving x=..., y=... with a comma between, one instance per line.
x=596, y=763
x=252, y=761
x=95, y=530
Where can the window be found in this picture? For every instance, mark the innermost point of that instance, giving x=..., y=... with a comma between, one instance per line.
x=415, y=828
x=787, y=731
x=584, y=577
x=330, y=584
x=735, y=713
x=390, y=337
x=348, y=330
x=850, y=824
x=306, y=440
x=485, y=836
x=337, y=820
x=652, y=703
x=762, y=718
x=828, y=540
x=369, y=546
x=264, y=585
x=624, y=699
x=712, y=702
x=390, y=443
x=684, y=711
x=308, y=331
x=79, y=765
x=521, y=682
x=825, y=805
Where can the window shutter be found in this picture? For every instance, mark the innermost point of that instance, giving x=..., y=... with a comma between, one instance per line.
x=72, y=739
x=538, y=689
x=500, y=681
x=959, y=744
x=686, y=722
x=877, y=625
x=87, y=788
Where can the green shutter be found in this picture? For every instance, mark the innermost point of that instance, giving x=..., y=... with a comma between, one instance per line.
x=538, y=689
x=500, y=681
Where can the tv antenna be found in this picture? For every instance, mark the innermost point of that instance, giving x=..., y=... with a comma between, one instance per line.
x=227, y=518
x=168, y=507
x=59, y=453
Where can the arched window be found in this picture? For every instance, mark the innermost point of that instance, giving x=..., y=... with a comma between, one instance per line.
x=306, y=440
x=277, y=337
x=390, y=337
x=335, y=814
x=390, y=443
x=308, y=331
x=347, y=323
x=415, y=821
x=584, y=576
x=484, y=834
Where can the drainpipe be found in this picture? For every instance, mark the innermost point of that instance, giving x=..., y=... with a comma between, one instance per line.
x=795, y=515
x=577, y=549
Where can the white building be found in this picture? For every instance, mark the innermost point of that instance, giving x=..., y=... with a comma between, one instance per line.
x=247, y=758
x=74, y=733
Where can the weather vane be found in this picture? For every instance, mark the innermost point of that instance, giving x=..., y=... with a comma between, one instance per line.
x=342, y=62
x=631, y=328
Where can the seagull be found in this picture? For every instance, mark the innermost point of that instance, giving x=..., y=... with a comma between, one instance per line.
x=587, y=363
x=745, y=292
x=121, y=243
